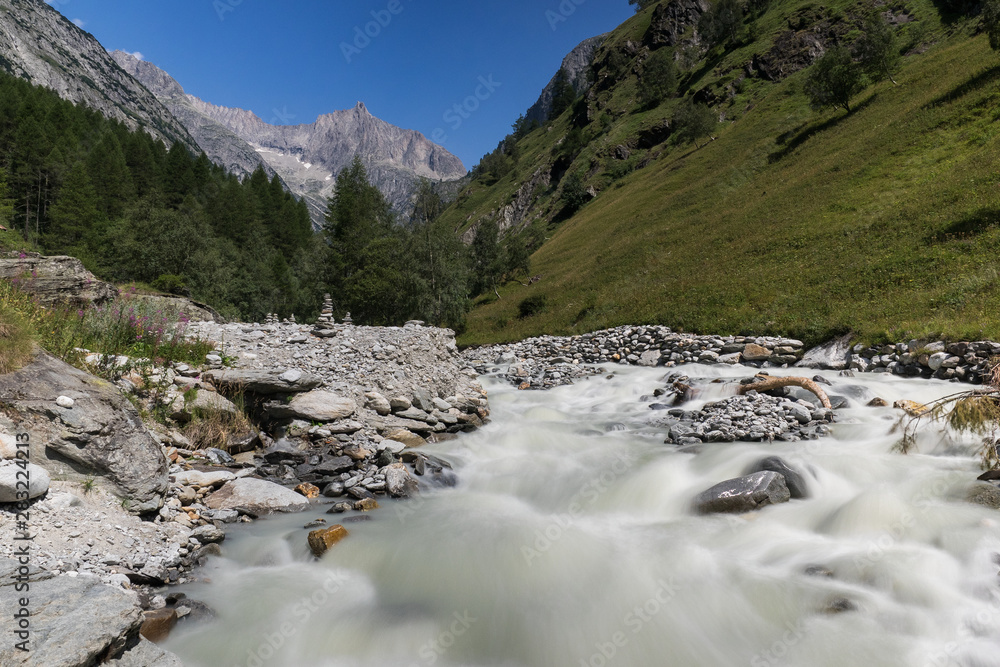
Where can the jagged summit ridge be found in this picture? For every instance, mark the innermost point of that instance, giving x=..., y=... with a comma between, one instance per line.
x=306, y=156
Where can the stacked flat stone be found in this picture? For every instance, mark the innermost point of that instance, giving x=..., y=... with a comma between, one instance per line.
x=326, y=326
x=347, y=319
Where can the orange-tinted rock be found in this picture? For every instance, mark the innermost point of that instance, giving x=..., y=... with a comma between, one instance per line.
x=322, y=539
x=366, y=504
x=911, y=408
x=308, y=490
x=754, y=352
x=156, y=625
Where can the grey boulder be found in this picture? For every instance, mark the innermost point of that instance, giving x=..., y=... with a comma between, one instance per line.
x=262, y=382
x=37, y=480
x=256, y=496
x=833, y=355
x=317, y=406
x=743, y=494
x=75, y=621
x=794, y=480
x=57, y=279
x=102, y=435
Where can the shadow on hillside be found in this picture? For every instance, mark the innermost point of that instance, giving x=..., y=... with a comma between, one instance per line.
x=973, y=224
x=792, y=140
x=976, y=81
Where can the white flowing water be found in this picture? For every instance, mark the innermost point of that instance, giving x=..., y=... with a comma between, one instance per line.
x=570, y=541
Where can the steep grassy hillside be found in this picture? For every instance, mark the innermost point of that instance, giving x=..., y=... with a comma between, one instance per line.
x=883, y=221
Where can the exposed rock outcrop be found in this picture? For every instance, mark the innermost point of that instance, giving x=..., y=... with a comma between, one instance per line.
x=575, y=65
x=56, y=279
x=74, y=622
x=671, y=20
x=101, y=435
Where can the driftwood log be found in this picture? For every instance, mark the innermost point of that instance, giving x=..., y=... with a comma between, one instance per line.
x=768, y=383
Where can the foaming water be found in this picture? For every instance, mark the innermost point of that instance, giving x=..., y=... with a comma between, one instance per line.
x=571, y=541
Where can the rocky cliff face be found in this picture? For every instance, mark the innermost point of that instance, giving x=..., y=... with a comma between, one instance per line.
x=41, y=46
x=575, y=64
x=306, y=157
x=221, y=145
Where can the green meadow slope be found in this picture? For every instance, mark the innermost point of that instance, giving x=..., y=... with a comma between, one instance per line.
x=883, y=221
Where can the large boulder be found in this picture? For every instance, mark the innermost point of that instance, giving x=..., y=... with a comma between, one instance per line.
x=101, y=435
x=794, y=480
x=37, y=480
x=74, y=622
x=744, y=494
x=256, y=496
x=314, y=406
x=834, y=355
x=56, y=279
x=263, y=382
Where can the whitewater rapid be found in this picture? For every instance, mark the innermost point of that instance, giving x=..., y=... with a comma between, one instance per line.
x=570, y=541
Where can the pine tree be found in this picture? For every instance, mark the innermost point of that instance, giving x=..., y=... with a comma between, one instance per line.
x=6, y=203
x=358, y=219
x=74, y=213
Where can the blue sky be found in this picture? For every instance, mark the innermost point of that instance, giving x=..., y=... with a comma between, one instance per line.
x=293, y=60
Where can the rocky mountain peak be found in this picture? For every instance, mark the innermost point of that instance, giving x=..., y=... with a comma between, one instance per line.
x=40, y=45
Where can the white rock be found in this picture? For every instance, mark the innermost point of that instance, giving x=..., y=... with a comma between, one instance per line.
x=64, y=402
x=8, y=446
x=198, y=479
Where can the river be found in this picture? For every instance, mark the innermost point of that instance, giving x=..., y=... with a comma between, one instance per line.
x=570, y=541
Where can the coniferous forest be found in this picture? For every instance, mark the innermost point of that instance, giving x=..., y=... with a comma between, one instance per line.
x=137, y=211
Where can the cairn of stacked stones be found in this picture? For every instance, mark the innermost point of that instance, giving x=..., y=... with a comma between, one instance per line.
x=326, y=326
x=347, y=319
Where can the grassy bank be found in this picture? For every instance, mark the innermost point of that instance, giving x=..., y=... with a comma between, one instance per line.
x=883, y=221
x=126, y=327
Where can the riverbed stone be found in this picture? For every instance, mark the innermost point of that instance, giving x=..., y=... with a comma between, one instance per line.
x=755, y=352
x=398, y=481
x=743, y=494
x=794, y=480
x=256, y=496
x=314, y=406
x=322, y=539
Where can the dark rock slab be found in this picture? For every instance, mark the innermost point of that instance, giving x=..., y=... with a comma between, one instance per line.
x=743, y=494
x=263, y=382
x=794, y=480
